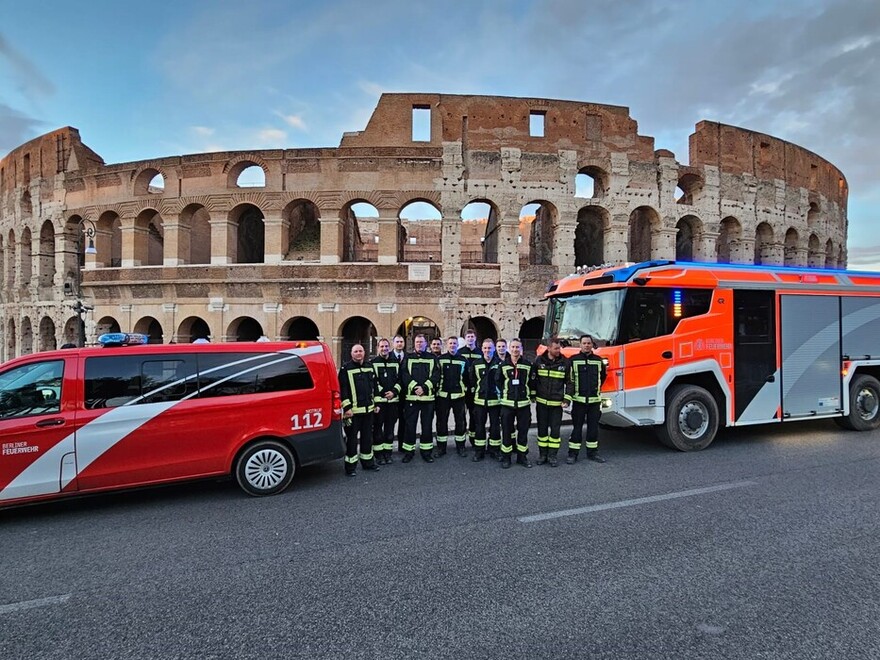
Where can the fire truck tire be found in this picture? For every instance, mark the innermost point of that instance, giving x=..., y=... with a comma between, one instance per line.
x=691, y=418
x=864, y=404
x=265, y=467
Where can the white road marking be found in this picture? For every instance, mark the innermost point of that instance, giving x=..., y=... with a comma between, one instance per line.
x=30, y=604
x=635, y=502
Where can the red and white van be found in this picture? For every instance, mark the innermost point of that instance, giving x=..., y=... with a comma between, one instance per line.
x=93, y=419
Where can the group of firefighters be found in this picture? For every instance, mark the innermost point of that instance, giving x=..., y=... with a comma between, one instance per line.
x=393, y=393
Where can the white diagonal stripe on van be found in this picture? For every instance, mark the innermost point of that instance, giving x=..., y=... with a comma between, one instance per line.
x=40, y=477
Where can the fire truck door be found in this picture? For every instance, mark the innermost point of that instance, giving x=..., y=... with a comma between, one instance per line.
x=755, y=372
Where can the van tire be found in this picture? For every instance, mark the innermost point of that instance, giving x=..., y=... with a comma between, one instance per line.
x=265, y=467
x=864, y=404
x=691, y=418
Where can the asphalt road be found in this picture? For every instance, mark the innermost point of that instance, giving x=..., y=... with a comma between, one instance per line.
x=763, y=546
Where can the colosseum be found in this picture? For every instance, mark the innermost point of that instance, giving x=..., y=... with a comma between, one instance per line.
x=446, y=212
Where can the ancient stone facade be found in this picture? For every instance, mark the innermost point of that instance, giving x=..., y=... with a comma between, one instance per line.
x=182, y=247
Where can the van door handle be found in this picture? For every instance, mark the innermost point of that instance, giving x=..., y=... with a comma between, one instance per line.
x=666, y=355
x=55, y=421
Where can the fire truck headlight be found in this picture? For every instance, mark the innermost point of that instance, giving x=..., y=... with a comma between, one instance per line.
x=606, y=404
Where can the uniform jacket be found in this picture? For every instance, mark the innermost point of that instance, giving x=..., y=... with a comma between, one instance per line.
x=586, y=373
x=357, y=383
x=549, y=379
x=420, y=369
x=387, y=370
x=454, y=376
x=482, y=378
x=514, y=382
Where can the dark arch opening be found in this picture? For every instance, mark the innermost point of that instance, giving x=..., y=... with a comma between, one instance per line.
x=300, y=328
x=483, y=326
x=589, y=237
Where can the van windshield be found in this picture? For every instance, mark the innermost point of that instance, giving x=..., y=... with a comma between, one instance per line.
x=595, y=314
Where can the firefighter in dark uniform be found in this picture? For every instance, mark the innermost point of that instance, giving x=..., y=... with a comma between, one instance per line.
x=549, y=373
x=514, y=383
x=419, y=378
x=486, y=404
x=471, y=353
x=583, y=387
x=399, y=353
x=451, y=398
x=387, y=401
x=357, y=384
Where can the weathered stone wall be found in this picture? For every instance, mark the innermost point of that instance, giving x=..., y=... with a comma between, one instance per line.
x=173, y=256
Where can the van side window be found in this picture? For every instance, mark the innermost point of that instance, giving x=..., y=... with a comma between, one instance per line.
x=230, y=374
x=137, y=379
x=31, y=389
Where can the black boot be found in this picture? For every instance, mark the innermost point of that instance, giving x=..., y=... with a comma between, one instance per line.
x=407, y=457
x=389, y=459
x=542, y=455
x=350, y=469
x=461, y=450
x=593, y=455
x=505, y=461
x=440, y=450
x=370, y=465
x=551, y=457
x=523, y=459
x=427, y=456
x=572, y=457
x=479, y=454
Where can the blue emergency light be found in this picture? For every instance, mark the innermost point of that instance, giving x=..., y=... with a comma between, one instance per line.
x=112, y=339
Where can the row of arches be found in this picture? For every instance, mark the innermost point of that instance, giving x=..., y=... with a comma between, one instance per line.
x=479, y=240
x=18, y=250
x=21, y=338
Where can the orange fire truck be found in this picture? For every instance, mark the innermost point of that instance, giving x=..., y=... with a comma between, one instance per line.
x=693, y=346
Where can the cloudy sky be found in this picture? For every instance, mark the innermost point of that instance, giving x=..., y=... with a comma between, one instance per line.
x=168, y=78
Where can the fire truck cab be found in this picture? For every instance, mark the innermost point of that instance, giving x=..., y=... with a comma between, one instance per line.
x=693, y=346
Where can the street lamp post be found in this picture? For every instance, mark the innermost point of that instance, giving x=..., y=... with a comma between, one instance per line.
x=79, y=307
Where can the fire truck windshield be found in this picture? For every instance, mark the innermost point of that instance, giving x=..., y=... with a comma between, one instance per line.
x=595, y=314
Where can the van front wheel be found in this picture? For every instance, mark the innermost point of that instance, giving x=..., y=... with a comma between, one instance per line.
x=691, y=418
x=265, y=468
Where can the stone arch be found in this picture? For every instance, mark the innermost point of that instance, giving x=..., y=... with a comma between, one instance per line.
x=11, y=340
x=589, y=236
x=689, y=187
x=244, y=328
x=194, y=235
x=192, y=328
x=108, y=239
x=480, y=216
x=829, y=254
x=360, y=224
x=302, y=231
x=244, y=166
x=26, y=204
x=689, y=233
x=814, y=216
x=591, y=182
x=644, y=225
x=46, y=265
x=250, y=234
x=483, y=326
x=48, y=341
x=27, y=262
x=27, y=336
x=300, y=328
x=356, y=330
x=815, y=256
x=149, y=238
x=790, y=249
x=71, y=334
x=420, y=231
x=763, y=243
x=149, y=181
x=541, y=230
x=10, y=259
x=418, y=325
x=107, y=324
x=151, y=327
x=727, y=245
x=531, y=331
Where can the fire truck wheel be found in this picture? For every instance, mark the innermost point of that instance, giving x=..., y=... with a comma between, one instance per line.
x=864, y=403
x=691, y=418
x=265, y=468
